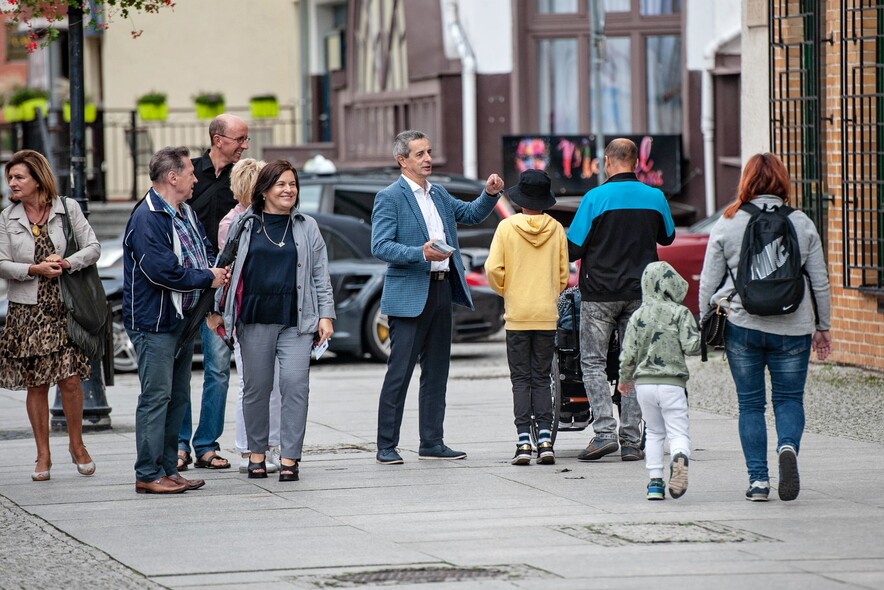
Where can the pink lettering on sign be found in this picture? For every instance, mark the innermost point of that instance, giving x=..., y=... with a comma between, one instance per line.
x=644, y=168
x=574, y=156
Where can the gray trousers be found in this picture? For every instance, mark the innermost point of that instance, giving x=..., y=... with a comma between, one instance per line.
x=598, y=319
x=261, y=345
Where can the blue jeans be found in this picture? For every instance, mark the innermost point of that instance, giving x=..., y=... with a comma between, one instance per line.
x=786, y=358
x=216, y=380
x=165, y=391
x=598, y=320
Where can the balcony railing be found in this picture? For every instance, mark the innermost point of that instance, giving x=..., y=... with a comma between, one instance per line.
x=119, y=144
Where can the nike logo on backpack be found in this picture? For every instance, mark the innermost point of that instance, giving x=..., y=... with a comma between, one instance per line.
x=787, y=307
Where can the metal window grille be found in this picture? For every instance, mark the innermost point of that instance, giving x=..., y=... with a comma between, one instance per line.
x=795, y=101
x=862, y=138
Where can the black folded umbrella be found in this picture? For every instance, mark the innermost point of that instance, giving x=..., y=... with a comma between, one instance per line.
x=197, y=315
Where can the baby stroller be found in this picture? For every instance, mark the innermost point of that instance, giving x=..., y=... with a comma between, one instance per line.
x=571, y=409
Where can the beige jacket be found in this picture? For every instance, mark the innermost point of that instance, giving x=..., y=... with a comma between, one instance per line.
x=17, y=246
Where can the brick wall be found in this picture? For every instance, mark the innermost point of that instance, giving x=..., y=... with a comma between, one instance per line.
x=857, y=321
x=848, y=142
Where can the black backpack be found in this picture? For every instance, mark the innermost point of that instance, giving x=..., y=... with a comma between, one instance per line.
x=770, y=277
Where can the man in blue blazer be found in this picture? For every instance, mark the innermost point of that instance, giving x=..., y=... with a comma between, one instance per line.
x=413, y=229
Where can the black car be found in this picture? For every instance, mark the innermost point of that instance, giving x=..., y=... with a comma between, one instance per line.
x=357, y=280
x=352, y=193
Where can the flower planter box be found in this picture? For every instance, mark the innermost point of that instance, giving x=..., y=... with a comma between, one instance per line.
x=153, y=112
x=264, y=109
x=89, y=112
x=28, y=108
x=11, y=113
x=209, y=111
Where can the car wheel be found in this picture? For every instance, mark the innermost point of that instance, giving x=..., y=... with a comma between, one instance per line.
x=125, y=360
x=377, y=332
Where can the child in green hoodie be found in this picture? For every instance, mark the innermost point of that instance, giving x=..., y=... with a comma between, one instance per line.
x=659, y=335
x=528, y=265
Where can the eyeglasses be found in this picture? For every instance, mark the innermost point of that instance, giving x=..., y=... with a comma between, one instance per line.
x=239, y=140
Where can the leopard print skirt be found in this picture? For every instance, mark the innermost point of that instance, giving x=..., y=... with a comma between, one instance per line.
x=34, y=346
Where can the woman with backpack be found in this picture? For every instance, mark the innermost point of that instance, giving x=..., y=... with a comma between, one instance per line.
x=750, y=262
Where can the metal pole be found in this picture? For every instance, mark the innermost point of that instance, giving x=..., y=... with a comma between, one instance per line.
x=96, y=412
x=133, y=151
x=597, y=58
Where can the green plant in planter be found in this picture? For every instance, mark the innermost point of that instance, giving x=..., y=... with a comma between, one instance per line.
x=27, y=101
x=264, y=106
x=89, y=111
x=208, y=104
x=152, y=106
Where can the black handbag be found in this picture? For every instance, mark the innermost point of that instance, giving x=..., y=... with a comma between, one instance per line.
x=712, y=327
x=84, y=299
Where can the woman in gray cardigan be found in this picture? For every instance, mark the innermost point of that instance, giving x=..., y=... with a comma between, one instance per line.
x=35, y=351
x=279, y=303
x=782, y=343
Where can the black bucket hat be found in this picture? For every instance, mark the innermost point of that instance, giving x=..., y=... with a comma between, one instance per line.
x=533, y=191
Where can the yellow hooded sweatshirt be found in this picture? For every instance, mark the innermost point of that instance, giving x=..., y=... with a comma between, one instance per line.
x=528, y=266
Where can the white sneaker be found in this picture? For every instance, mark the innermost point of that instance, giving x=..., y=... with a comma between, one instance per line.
x=244, y=463
x=273, y=459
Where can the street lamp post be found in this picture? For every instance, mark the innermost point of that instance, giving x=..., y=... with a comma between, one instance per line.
x=96, y=412
x=597, y=57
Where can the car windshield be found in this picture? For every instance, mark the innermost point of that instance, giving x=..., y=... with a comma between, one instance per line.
x=309, y=196
x=704, y=226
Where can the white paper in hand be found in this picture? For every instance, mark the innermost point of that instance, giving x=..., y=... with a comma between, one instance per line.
x=318, y=350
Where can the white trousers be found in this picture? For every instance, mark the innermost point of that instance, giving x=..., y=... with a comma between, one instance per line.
x=665, y=412
x=242, y=441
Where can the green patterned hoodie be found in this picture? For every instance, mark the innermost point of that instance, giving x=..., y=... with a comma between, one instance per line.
x=660, y=332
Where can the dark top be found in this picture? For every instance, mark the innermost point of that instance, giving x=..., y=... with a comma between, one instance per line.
x=615, y=233
x=212, y=198
x=269, y=275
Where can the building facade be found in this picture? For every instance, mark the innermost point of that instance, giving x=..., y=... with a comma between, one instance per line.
x=819, y=82
x=473, y=73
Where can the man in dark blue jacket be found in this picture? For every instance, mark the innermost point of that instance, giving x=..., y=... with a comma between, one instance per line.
x=614, y=234
x=166, y=264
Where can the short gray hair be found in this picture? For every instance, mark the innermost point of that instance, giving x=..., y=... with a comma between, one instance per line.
x=218, y=126
x=400, y=145
x=168, y=159
x=622, y=150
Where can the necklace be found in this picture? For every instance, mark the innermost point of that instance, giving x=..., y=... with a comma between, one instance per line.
x=35, y=226
x=281, y=243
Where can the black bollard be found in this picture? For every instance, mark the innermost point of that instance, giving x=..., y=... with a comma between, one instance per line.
x=96, y=412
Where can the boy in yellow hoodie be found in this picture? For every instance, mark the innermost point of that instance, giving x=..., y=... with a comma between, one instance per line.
x=528, y=267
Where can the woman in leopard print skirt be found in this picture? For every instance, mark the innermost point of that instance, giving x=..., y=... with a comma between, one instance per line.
x=35, y=350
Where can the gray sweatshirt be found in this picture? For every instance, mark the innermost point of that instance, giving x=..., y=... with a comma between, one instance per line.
x=723, y=251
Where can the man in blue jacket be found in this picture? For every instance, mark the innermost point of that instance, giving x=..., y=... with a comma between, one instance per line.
x=614, y=234
x=421, y=283
x=166, y=264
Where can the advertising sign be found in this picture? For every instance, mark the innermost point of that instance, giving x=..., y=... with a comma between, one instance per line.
x=570, y=160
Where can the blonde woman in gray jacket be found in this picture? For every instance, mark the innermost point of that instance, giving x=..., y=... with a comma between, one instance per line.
x=35, y=350
x=279, y=304
x=781, y=343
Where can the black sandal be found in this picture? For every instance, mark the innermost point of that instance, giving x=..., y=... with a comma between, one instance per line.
x=257, y=470
x=184, y=460
x=288, y=472
x=210, y=462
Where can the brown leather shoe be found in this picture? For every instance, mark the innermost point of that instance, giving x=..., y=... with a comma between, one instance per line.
x=192, y=484
x=164, y=485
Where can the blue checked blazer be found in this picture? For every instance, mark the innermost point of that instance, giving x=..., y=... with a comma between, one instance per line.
x=398, y=235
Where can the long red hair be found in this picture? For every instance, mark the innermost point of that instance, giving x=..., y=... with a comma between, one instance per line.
x=764, y=174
